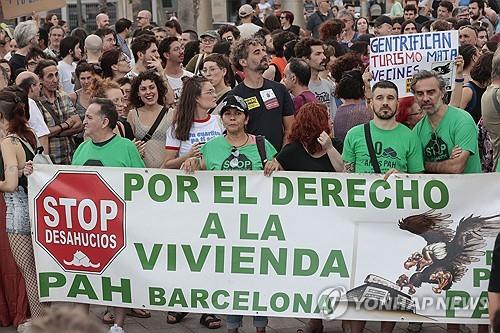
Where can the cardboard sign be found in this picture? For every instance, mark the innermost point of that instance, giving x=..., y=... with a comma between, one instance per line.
x=17, y=8
x=397, y=58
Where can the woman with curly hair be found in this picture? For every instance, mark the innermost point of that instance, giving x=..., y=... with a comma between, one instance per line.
x=312, y=146
x=146, y=96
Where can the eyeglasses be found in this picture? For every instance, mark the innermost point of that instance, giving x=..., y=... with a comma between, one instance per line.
x=208, y=40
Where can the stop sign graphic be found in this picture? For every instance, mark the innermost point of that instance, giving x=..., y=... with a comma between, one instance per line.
x=80, y=221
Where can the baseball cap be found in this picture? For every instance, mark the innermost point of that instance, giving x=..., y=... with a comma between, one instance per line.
x=233, y=101
x=210, y=33
x=245, y=10
x=381, y=20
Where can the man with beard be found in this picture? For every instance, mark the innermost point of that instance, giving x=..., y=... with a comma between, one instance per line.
x=172, y=54
x=476, y=14
x=71, y=54
x=396, y=147
x=269, y=103
x=381, y=146
x=448, y=135
x=312, y=52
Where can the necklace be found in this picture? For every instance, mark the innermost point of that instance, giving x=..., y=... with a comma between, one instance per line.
x=244, y=143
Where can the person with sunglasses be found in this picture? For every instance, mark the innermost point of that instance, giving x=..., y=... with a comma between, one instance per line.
x=229, y=33
x=448, y=135
x=237, y=149
x=467, y=34
x=286, y=20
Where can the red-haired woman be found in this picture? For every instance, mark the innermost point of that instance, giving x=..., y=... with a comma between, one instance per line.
x=312, y=146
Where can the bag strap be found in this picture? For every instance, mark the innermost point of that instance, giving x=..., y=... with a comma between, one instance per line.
x=155, y=125
x=261, y=147
x=25, y=143
x=371, y=150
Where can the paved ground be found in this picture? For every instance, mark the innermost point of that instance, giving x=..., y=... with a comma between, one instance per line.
x=157, y=324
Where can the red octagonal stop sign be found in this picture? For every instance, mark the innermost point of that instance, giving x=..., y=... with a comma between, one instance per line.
x=80, y=221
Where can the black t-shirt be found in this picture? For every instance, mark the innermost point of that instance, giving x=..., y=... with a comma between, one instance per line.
x=17, y=61
x=294, y=29
x=267, y=106
x=293, y=157
x=495, y=268
x=420, y=19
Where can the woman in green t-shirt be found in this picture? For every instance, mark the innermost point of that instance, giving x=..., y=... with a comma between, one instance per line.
x=236, y=150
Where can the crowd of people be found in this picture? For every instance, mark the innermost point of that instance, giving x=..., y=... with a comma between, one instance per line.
x=265, y=94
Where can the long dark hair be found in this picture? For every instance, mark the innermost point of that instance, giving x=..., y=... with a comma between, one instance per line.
x=184, y=117
x=14, y=108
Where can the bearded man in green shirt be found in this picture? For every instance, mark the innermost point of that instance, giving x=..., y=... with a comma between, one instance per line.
x=448, y=135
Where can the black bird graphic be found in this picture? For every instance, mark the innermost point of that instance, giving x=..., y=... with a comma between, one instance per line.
x=444, y=69
x=445, y=258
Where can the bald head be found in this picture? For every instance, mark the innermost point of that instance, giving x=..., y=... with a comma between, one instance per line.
x=30, y=83
x=143, y=18
x=93, y=44
x=102, y=21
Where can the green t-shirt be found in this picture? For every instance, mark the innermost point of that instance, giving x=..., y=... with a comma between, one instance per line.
x=457, y=128
x=118, y=152
x=220, y=155
x=398, y=149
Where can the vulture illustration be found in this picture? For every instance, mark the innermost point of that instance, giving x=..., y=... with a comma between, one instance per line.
x=445, y=258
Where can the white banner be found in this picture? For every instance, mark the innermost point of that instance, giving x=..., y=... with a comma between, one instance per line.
x=397, y=58
x=317, y=245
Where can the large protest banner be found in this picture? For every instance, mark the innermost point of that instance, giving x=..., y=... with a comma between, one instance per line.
x=321, y=245
x=397, y=58
x=17, y=8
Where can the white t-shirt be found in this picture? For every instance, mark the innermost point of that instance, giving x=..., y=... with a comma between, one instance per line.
x=36, y=122
x=176, y=83
x=66, y=72
x=247, y=30
x=201, y=131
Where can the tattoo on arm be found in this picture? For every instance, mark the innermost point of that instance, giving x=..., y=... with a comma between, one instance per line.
x=348, y=167
x=13, y=140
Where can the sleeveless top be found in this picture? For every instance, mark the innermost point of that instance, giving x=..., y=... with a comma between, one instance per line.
x=80, y=109
x=23, y=180
x=154, y=152
x=474, y=106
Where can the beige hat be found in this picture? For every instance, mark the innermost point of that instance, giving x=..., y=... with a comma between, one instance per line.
x=245, y=11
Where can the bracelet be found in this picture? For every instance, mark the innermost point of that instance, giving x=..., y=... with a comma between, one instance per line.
x=459, y=80
x=60, y=126
x=66, y=124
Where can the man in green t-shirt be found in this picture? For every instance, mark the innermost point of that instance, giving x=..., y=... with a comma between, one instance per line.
x=448, y=135
x=105, y=148
x=396, y=147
